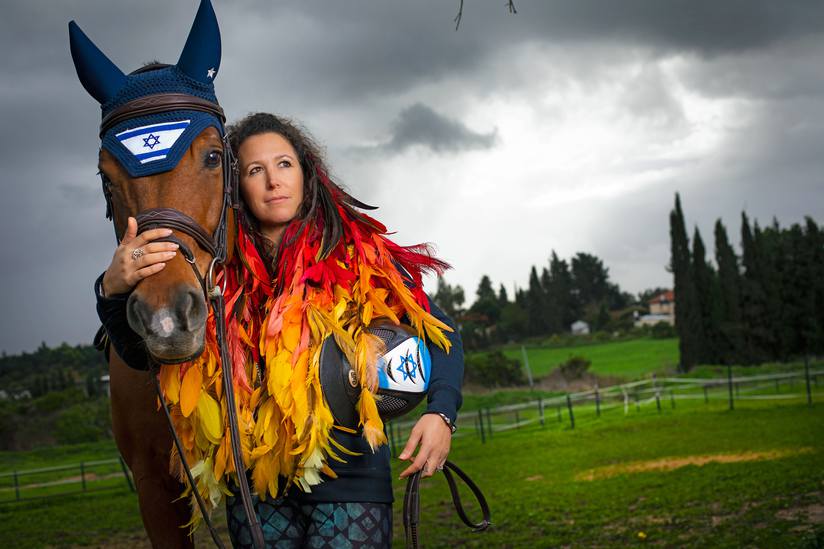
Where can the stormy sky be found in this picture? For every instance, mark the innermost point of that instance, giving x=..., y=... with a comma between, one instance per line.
x=568, y=126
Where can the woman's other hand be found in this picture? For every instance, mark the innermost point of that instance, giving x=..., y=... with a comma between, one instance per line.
x=128, y=266
x=435, y=438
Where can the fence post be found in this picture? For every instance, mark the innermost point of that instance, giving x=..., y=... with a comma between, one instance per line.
x=126, y=473
x=83, y=475
x=706, y=396
x=658, y=400
x=597, y=402
x=729, y=384
x=657, y=393
x=392, y=452
x=626, y=400
x=541, y=410
x=807, y=378
x=637, y=402
x=489, y=421
x=481, y=424
x=571, y=415
x=672, y=399
x=16, y=487
x=517, y=420
x=526, y=365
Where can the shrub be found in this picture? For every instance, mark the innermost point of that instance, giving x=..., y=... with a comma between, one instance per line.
x=574, y=368
x=662, y=330
x=83, y=422
x=494, y=370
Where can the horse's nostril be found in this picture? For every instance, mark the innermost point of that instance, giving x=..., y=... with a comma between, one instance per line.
x=138, y=315
x=190, y=307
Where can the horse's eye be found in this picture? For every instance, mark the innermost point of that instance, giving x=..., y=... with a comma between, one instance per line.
x=213, y=159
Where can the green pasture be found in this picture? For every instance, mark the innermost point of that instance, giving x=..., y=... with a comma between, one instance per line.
x=529, y=477
x=621, y=359
x=532, y=477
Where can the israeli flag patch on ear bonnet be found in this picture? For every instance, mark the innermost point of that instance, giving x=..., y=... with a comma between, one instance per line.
x=153, y=142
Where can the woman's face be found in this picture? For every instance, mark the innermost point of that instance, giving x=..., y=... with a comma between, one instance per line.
x=271, y=181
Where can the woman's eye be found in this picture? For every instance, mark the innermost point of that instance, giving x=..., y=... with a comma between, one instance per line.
x=254, y=170
x=284, y=164
x=214, y=159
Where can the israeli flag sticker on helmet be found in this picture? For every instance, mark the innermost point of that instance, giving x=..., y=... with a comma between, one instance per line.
x=403, y=375
x=153, y=142
x=405, y=367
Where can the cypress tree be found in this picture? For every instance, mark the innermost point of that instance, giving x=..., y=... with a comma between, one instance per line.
x=552, y=312
x=813, y=339
x=772, y=259
x=706, y=297
x=729, y=280
x=535, y=305
x=687, y=315
x=562, y=291
x=503, y=298
x=752, y=296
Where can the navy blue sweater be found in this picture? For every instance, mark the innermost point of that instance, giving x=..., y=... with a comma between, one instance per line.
x=363, y=478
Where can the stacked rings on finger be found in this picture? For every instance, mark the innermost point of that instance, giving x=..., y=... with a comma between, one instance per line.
x=137, y=253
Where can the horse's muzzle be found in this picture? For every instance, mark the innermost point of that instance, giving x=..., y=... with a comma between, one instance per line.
x=173, y=333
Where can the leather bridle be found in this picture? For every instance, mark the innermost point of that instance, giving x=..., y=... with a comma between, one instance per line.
x=215, y=245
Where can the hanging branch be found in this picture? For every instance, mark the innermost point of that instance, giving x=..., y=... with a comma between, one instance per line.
x=458, y=17
x=510, y=4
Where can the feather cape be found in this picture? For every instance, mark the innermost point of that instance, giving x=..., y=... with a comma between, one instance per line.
x=285, y=423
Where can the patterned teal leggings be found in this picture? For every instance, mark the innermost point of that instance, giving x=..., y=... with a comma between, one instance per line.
x=289, y=524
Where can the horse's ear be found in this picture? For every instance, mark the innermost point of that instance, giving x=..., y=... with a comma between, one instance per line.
x=101, y=78
x=201, y=54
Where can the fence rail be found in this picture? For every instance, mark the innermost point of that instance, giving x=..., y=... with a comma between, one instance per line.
x=635, y=395
x=45, y=482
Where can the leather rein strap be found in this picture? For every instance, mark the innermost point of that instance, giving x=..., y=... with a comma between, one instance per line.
x=216, y=246
x=412, y=503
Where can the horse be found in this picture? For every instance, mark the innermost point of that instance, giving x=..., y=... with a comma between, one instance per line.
x=183, y=186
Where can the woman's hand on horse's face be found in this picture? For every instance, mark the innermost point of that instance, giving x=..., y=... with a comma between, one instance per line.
x=435, y=438
x=125, y=271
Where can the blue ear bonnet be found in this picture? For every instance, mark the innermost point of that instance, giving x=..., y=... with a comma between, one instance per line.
x=153, y=143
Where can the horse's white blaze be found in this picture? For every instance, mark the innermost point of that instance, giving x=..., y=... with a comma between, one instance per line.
x=164, y=323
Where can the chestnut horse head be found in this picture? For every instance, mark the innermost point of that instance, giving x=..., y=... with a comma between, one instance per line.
x=164, y=159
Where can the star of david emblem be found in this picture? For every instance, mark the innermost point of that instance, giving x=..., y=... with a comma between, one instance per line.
x=151, y=141
x=408, y=372
x=211, y=73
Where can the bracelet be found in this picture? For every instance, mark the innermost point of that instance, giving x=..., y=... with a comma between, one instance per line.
x=445, y=418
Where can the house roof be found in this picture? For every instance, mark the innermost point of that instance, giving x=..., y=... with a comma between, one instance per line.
x=668, y=296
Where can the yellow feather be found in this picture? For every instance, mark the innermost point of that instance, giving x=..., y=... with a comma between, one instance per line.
x=190, y=389
x=208, y=413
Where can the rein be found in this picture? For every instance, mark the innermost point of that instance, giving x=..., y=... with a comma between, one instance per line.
x=412, y=503
x=216, y=246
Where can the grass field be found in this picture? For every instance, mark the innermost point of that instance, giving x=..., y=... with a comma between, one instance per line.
x=536, y=481
x=761, y=484
x=622, y=359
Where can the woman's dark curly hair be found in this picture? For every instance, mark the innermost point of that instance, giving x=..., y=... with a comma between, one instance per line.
x=320, y=195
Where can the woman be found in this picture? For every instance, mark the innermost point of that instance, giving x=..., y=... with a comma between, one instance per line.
x=317, y=249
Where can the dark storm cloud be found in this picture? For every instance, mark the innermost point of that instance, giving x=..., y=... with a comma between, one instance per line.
x=360, y=62
x=420, y=125
x=363, y=49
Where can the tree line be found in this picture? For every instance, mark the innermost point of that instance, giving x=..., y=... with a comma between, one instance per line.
x=556, y=296
x=766, y=304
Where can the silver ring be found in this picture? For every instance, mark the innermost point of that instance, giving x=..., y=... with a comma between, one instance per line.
x=137, y=253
